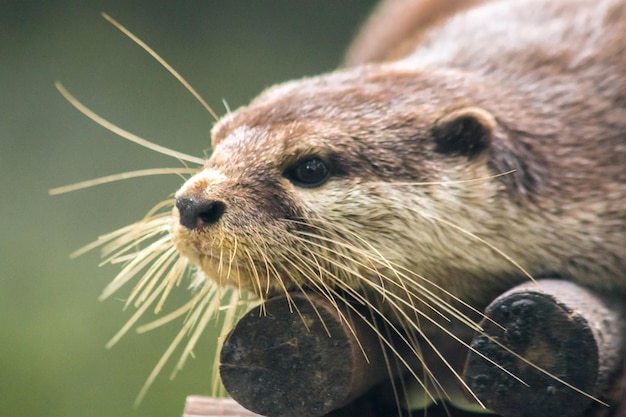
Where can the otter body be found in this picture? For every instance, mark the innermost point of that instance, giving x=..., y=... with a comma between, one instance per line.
x=494, y=149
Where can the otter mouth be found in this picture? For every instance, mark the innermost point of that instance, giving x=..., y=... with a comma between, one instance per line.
x=228, y=270
x=224, y=258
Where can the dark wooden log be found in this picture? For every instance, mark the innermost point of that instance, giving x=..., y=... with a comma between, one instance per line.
x=301, y=358
x=616, y=397
x=568, y=343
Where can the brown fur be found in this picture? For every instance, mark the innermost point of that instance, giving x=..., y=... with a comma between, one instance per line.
x=396, y=26
x=548, y=79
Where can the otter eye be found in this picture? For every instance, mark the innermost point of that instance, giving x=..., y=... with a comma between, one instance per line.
x=308, y=173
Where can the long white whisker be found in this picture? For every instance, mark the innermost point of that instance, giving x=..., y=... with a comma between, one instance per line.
x=123, y=133
x=161, y=61
x=120, y=177
x=406, y=274
x=398, y=283
x=480, y=179
x=357, y=296
x=407, y=320
x=491, y=246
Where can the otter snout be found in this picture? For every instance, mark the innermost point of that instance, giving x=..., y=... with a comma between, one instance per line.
x=196, y=213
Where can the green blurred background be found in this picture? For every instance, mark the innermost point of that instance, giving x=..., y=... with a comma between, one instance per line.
x=53, y=330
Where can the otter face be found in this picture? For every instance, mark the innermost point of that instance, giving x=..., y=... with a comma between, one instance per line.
x=319, y=185
x=233, y=218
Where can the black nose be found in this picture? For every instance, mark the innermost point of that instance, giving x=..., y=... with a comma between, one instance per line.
x=196, y=213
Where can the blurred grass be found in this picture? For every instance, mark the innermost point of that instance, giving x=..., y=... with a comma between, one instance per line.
x=52, y=356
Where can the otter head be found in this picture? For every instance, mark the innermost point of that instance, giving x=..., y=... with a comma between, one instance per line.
x=345, y=183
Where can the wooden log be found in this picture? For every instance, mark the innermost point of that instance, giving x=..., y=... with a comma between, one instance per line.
x=573, y=335
x=199, y=406
x=301, y=358
x=616, y=397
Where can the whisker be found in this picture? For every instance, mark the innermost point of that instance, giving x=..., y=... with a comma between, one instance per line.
x=358, y=296
x=271, y=270
x=491, y=246
x=458, y=314
x=460, y=341
x=543, y=371
x=161, y=363
x=124, y=249
x=173, y=315
x=238, y=303
x=411, y=295
x=133, y=268
x=136, y=316
x=220, y=264
x=406, y=279
x=480, y=179
x=124, y=133
x=122, y=233
x=403, y=315
x=120, y=177
x=153, y=275
x=391, y=364
x=255, y=273
x=407, y=320
x=230, y=264
x=174, y=277
x=389, y=325
x=161, y=205
x=161, y=61
x=140, y=229
x=313, y=281
x=226, y=106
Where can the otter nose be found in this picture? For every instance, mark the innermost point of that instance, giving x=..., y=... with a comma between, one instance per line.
x=196, y=213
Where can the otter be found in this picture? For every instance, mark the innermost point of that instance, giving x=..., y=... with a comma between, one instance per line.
x=474, y=146
x=385, y=177
x=420, y=180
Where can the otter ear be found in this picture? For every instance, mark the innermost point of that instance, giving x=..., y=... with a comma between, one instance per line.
x=467, y=131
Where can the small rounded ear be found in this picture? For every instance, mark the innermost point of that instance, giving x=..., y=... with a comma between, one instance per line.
x=467, y=131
